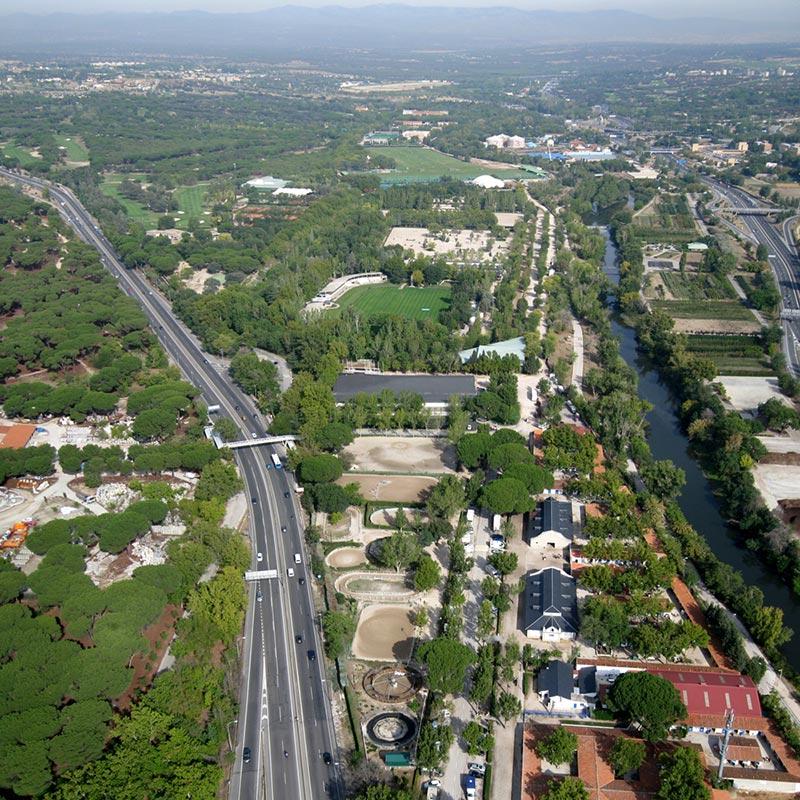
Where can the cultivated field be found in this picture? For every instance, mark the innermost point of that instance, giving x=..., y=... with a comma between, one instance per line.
x=733, y=355
x=394, y=488
x=705, y=309
x=713, y=326
x=409, y=302
x=460, y=245
x=420, y=164
x=402, y=454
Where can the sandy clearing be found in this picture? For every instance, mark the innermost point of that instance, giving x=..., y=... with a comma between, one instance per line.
x=402, y=453
x=786, y=443
x=386, y=516
x=396, y=488
x=478, y=245
x=777, y=482
x=384, y=633
x=747, y=393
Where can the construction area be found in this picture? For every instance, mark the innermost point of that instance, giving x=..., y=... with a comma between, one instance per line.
x=456, y=246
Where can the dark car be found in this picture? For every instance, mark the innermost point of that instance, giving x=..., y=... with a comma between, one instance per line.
x=326, y=757
x=283, y=529
x=286, y=494
x=246, y=755
x=312, y=655
x=302, y=581
x=254, y=500
x=299, y=638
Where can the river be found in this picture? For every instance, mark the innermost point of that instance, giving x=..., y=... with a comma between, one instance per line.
x=668, y=441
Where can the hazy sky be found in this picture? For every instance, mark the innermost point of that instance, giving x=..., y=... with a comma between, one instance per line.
x=731, y=9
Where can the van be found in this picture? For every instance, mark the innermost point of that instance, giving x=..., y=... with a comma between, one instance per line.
x=297, y=558
x=290, y=572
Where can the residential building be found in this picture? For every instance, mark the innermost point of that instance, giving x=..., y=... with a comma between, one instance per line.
x=551, y=606
x=555, y=685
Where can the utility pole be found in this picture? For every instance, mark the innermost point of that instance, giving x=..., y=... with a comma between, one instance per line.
x=726, y=735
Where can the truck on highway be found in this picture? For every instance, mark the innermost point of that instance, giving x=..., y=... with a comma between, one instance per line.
x=276, y=462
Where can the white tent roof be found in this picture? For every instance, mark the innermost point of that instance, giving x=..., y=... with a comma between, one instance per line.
x=488, y=182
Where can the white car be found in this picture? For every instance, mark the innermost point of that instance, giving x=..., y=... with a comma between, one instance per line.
x=259, y=557
x=290, y=572
x=297, y=559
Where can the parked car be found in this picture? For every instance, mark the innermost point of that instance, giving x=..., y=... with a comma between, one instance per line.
x=479, y=770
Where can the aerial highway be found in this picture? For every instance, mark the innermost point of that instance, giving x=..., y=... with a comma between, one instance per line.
x=285, y=724
x=783, y=258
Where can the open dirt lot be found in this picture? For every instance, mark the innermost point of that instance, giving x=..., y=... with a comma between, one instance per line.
x=399, y=488
x=401, y=453
x=777, y=482
x=746, y=394
x=480, y=245
x=384, y=633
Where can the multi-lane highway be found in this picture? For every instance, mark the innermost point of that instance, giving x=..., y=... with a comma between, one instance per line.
x=285, y=718
x=783, y=258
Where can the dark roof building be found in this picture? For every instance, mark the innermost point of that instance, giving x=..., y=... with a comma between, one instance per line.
x=436, y=390
x=553, y=516
x=551, y=606
x=555, y=680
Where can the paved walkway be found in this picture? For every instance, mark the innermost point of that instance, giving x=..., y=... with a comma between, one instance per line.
x=577, y=348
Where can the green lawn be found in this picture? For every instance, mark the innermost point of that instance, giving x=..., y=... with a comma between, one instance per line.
x=425, y=303
x=136, y=211
x=76, y=150
x=704, y=309
x=421, y=164
x=22, y=154
x=190, y=199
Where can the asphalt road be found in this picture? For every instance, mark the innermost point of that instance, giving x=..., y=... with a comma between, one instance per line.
x=284, y=715
x=783, y=259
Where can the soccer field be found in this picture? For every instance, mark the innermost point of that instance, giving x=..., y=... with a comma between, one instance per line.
x=425, y=303
x=420, y=164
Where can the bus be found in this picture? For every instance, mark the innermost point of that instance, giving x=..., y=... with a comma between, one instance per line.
x=276, y=462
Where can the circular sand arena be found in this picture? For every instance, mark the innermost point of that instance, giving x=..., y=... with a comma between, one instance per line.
x=384, y=633
x=391, y=729
x=344, y=557
x=396, y=683
x=374, y=586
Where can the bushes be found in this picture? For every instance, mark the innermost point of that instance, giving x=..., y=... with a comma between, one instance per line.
x=323, y=468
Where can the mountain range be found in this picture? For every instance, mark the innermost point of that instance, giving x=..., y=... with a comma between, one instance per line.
x=375, y=27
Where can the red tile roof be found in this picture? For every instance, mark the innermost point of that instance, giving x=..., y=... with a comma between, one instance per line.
x=15, y=436
x=714, y=692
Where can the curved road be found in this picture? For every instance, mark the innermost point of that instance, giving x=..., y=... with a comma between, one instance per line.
x=284, y=703
x=783, y=258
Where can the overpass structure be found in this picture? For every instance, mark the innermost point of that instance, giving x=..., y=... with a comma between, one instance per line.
x=755, y=211
x=257, y=442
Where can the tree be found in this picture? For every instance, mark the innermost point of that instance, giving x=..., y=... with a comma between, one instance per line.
x=457, y=419
x=682, y=776
x=504, y=563
x=433, y=745
x=778, y=416
x=487, y=619
x=473, y=448
x=626, y=756
x=334, y=436
x=446, y=497
x=566, y=789
x=649, y=700
x=664, y=479
x=338, y=628
x=503, y=456
x=559, y=747
x=322, y=468
x=447, y=663
x=427, y=575
x=507, y=496
x=508, y=706
x=535, y=478
x=477, y=739
x=399, y=550
x=227, y=429
x=384, y=792
x=256, y=376
x=218, y=479
x=153, y=423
